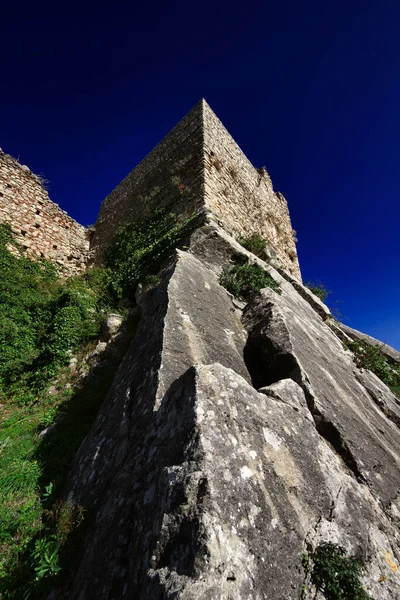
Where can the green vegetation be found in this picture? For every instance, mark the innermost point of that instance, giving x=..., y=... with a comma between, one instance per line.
x=371, y=357
x=253, y=243
x=42, y=320
x=318, y=289
x=140, y=248
x=45, y=320
x=334, y=574
x=244, y=281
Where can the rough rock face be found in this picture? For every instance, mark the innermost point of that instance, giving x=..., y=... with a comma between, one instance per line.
x=288, y=339
x=230, y=444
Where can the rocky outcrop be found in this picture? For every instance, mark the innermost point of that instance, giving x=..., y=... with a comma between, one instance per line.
x=230, y=443
x=288, y=339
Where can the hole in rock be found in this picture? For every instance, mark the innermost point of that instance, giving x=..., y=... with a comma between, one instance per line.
x=239, y=259
x=266, y=364
x=181, y=549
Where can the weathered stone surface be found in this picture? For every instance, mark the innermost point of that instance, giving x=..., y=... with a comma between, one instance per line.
x=99, y=349
x=216, y=248
x=227, y=489
x=287, y=390
x=203, y=488
x=380, y=394
x=111, y=326
x=307, y=294
x=287, y=339
x=388, y=351
x=200, y=324
x=188, y=318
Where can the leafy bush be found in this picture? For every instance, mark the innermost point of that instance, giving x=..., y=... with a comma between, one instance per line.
x=253, y=243
x=244, y=281
x=334, y=574
x=371, y=357
x=42, y=320
x=318, y=289
x=139, y=249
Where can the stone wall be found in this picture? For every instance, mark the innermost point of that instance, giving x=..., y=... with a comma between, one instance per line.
x=40, y=225
x=243, y=197
x=171, y=174
x=198, y=167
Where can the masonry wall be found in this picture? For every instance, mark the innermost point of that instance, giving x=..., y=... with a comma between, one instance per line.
x=242, y=196
x=40, y=225
x=198, y=167
x=172, y=174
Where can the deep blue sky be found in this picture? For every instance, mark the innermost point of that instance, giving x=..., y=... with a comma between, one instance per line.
x=309, y=89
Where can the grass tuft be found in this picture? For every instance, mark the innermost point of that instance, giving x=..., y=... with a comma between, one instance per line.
x=253, y=243
x=318, y=289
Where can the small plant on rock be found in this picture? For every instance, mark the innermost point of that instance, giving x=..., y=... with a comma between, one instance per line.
x=318, y=289
x=334, y=574
x=371, y=357
x=140, y=247
x=46, y=562
x=244, y=281
x=253, y=243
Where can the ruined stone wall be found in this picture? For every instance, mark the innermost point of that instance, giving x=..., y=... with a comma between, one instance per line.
x=40, y=225
x=242, y=196
x=172, y=174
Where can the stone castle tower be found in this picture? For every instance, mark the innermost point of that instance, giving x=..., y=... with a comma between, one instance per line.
x=198, y=167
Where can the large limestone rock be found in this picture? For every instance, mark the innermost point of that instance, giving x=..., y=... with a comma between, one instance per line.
x=287, y=338
x=226, y=449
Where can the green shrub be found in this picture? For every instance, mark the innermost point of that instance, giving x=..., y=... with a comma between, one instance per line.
x=318, y=289
x=139, y=249
x=244, y=281
x=334, y=574
x=371, y=357
x=42, y=320
x=253, y=243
